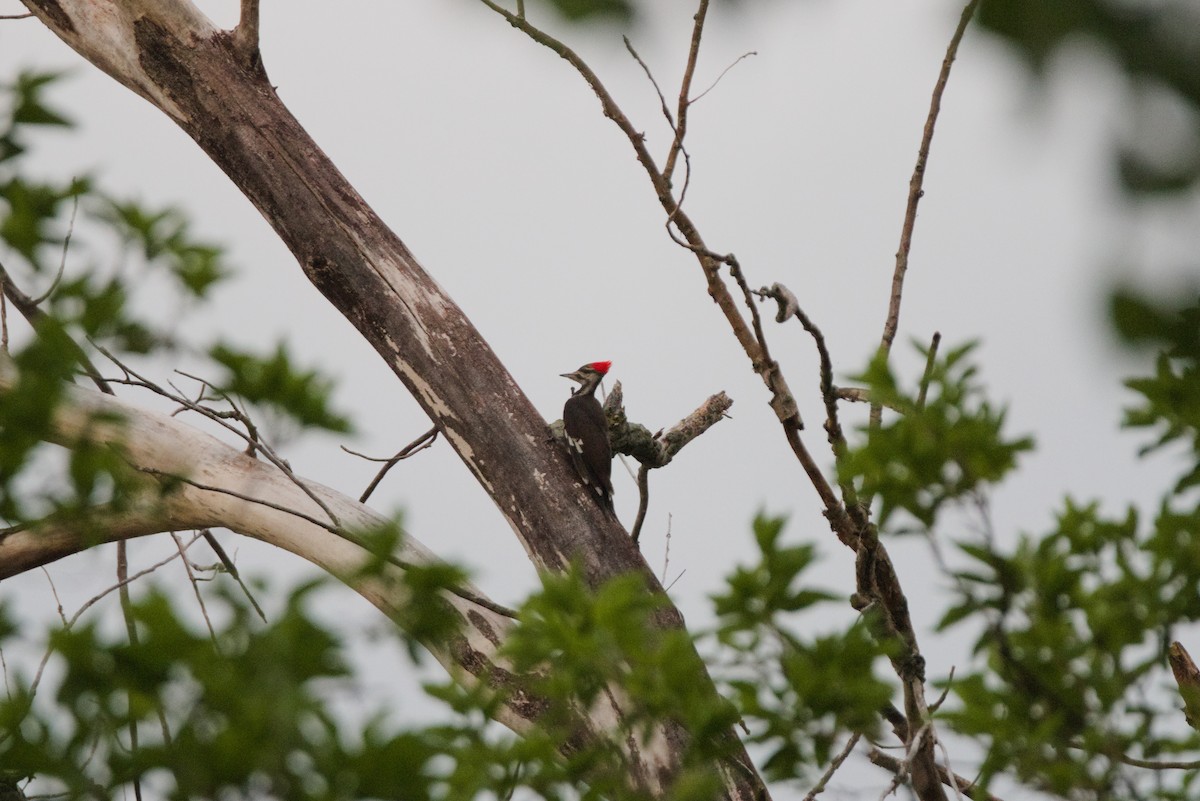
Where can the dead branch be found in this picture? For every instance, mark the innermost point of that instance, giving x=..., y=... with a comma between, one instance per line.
x=916, y=191
x=963, y=785
x=657, y=450
x=417, y=445
x=685, y=88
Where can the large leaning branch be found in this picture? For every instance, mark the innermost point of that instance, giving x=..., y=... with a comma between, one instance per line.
x=219, y=486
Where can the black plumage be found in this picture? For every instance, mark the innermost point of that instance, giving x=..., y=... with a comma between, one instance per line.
x=586, y=429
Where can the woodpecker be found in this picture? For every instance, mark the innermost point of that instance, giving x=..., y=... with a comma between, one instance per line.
x=586, y=428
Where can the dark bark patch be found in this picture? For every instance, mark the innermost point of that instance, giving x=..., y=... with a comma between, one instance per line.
x=482, y=625
x=58, y=18
x=159, y=59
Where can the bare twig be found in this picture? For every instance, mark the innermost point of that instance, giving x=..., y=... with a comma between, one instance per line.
x=28, y=307
x=232, y=570
x=839, y=521
x=251, y=439
x=962, y=785
x=1158, y=764
x=643, y=482
x=254, y=442
x=928, y=374
x=675, y=580
x=331, y=528
x=949, y=768
x=713, y=85
x=936, y=705
x=67, y=624
x=3, y=314
x=916, y=191
x=187, y=567
x=833, y=767
x=667, y=549
x=662, y=99
x=131, y=632
x=685, y=88
x=15, y=16
x=419, y=444
x=62, y=262
x=782, y=400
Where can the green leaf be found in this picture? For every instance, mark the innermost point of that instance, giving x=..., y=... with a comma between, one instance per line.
x=925, y=456
x=276, y=383
x=164, y=239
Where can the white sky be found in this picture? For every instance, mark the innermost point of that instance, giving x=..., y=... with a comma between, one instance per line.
x=490, y=158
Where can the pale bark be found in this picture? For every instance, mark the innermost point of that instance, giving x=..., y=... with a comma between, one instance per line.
x=220, y=486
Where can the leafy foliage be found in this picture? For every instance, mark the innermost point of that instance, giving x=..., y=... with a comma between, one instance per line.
x=246, y=713
x=276, y=383
x=163, y=237
x=944, y=444
x=798, y=694
x=590, y=10
x=1161, y=152
x=1171, y=397
x=1076, y=622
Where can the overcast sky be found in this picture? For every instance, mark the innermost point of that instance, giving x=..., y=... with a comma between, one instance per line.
x=490, y=158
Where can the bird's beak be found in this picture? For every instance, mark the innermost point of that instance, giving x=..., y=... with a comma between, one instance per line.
x=573, y=376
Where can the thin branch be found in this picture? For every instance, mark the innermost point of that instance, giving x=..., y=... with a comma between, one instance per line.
x=675, y=580
x=928, y=374
x=790, y=307
x=916, y=191
x=963, y=785
x=62, y=262
x=187, y=567
x=781, y=397
x=95, y=599
x=667, y=550
x=15, y=16
x=949, y=768
x=662, y=99
x=713, y=85
x=254, y=442
x=419, y=444
x=246, y=35
x=29, y=309
x=232, y=570
x=219, y=418
x=131, y=632
x=1158, y=765
x=685, y=88
x=307, y=518
x=839, y=521
x=833, y=767
x=936, y=705
x=643, y=482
